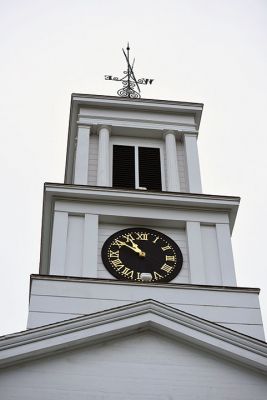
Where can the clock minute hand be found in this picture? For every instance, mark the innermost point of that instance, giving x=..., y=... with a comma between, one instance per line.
x=130, y=247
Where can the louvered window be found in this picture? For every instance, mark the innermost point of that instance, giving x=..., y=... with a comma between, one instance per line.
x=149, y=168
x=136, y=167
x=123, y=167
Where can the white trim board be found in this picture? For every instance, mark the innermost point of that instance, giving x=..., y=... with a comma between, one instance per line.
x=146, y=315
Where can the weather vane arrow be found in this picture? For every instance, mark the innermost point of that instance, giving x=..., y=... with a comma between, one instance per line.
x=130, y=84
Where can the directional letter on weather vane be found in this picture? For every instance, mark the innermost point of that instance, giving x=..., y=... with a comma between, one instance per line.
x=128, y=80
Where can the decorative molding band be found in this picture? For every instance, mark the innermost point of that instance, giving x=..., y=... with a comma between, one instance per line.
x=229, y=289
x=148, y=314
x=134, y=123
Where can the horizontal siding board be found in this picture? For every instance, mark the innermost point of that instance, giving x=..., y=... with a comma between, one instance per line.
x=137, y=292
x=88, y=306
x=56, y=299
x=254, y=330
x=36, y=319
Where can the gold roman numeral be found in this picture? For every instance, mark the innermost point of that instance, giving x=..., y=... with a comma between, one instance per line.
x=170, y=258
x=142, y=236
x=114, y=253
x=166, y=267
x=128, y=237
x=117, y=263
x=118, y=243
x=166, y=248
x=128, y=272
x=157, y=276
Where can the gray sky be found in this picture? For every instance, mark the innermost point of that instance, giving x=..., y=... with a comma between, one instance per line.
x=206, y=51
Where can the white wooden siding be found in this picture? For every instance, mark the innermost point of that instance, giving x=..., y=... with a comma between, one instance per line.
x=143, y=366
x=178, y=235
x=92, y=165
x=57, y=300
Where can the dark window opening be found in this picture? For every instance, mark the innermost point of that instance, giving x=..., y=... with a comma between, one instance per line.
x=123, y=167
x=125, y=170
x=149, y=168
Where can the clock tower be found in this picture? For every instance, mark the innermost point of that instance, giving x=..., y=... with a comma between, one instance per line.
x=132, y=187
x=136, y=296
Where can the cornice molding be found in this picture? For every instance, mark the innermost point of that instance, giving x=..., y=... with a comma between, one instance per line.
x=168, y=196
x=146, y=315
x=229, y=289
x=114, y=101
x=178, y=200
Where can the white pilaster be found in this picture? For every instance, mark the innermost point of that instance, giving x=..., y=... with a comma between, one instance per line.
x=195, y=252
x=82, y=156
x=173, y=182
x=90, y=243
x=192, y=163
x=103, y=157
x=59, y=243
x=226, y=255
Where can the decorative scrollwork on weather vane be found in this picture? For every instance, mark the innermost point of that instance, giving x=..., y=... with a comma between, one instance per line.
x=130, y=84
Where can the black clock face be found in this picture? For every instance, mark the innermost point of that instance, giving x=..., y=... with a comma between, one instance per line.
x=130, y=252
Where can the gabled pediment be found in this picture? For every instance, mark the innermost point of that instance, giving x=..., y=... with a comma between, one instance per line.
x=145, y=315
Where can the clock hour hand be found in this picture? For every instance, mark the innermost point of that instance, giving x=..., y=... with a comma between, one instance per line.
x=135, y=248
x=141, y=253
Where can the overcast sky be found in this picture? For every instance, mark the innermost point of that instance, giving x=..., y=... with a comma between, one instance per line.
x=207, y=51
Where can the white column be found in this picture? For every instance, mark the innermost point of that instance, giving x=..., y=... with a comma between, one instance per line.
x=90, y=246
x=226, y=254
x=59, y=243
x=82, y=156
x=192, y=163
x=195, y=251
x=103, y=157
x=173, y=182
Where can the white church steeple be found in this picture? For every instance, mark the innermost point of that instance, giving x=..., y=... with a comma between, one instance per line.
x=132, y=166
x=136, y=296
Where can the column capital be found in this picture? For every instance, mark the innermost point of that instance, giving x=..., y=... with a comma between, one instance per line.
x=100, y=127
x=84, y=126
x=172, y=132
x=190, y=134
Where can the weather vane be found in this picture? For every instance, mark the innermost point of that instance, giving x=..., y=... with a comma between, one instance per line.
x=130, y=83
